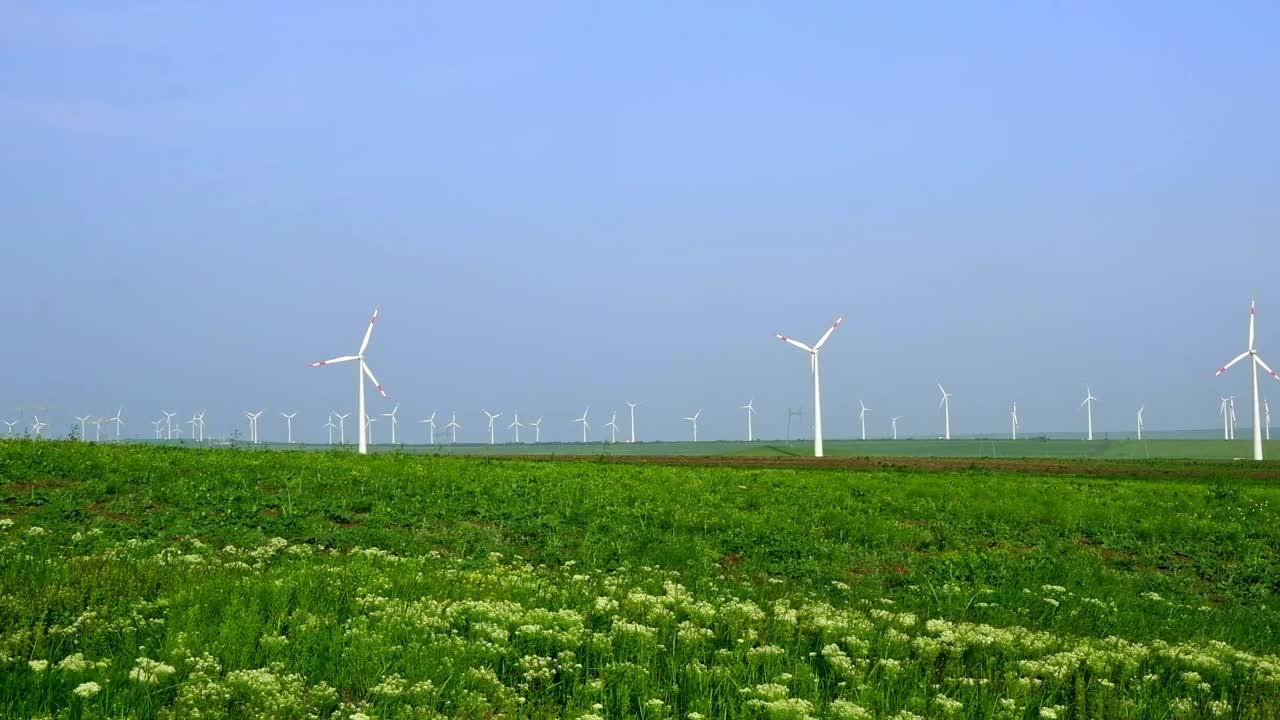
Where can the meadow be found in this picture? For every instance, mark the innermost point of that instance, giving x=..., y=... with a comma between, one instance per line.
x=162, y=582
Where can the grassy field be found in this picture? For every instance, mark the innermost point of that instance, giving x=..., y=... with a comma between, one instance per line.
x=1172, y=448
x=160, y=582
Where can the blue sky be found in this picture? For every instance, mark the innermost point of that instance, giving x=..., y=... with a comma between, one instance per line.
x=563, y=204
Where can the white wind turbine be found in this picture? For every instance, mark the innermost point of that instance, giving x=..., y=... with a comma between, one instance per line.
x=342, y=427
x=361, y=372
x=537, y=430
x=156, y=425
x=1087, y=404
x=328, y=425
x=613, y=427
x=492, y=417
x=168, y=424
x=368, y=427
x=193, y=422
x=1013, y=421
x=288, y=418
x=862, y=418
x=1266, y=409
x=97, y=429
x=694, y=420
x=817, y=392
x=750, y=407
x=633, y=419
x=118, y=421
x=200, y=417
x=39, y=426
x=583, y=420
x=453, y=427
x=894, y=424
x=946, y=412
x=253, y=424
x=82, y=420
x=395, y=421
x=1226, y=417
x=1252, y=353
x=1231, y=404
x=431, y=428
x=9, y=427
x=516, y=424
x=1141, y=424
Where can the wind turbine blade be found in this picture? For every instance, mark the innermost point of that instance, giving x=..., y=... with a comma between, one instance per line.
x=1251, y=314
x=1270, y=372
x=377, y=386
x=827, y=334
x=1226, y=367
x=797, y=343
x=344, y=358
x=369, y=332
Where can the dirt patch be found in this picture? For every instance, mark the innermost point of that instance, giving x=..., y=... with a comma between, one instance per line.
x=42, y=484
x=101, y=509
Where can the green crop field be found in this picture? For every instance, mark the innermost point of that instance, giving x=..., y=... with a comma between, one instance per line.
x=141, y=581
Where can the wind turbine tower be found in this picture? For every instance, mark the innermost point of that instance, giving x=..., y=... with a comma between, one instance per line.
x=694, y=420
x=633, y=420
x=945, y=405
x=1087, y=404
x=862, y=418
x=492, y=417
x=750, y=407
x=288, y=418
x=817, y=391
x=362, y=372
x=1257, y=362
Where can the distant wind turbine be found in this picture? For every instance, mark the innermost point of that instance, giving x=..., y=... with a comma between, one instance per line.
x=156, y=425
x=750, y=407
x=362, y=371
x=39, y=426
x=288, y=418
x=431, y=428
x=1013, y=421
x=862, y=418
x=516, y=424
x=1087, y=404
x=9, y=426
x=368, y=428
x=817, y=391
x=1252, y=353
x=632, y=405
x=193, y=422
x=118, y=421
x=342, y=426
x=492, y=417
x=453, y=427
x=168, y=424
x=1267, y=411
x=945, y=405
x=253, y=424
x=537, y=429
x=1231, y=404
x=894, y=424
x=694, y=420
x=200, y=417
x=583, y=420
x=330, y=426
x=83, y=420
x=1141, y=424
x=97, y=429
x=613, y=427
x=1226, y=417
x=395, y=421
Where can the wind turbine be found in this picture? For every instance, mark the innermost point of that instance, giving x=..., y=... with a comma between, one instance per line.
x=156, y=424
x=1234, y=423
x=82, y=420
x=1141, y=424
x=368, y=427
x=1252, y=353
x=1226, y=417
x=613, y=427
x=633, y=419
x=492, y=417
x=38, y=426
x=1013, y=421
x=583, y=420
x=200, y=417
x=253, y=424
x=817, y=392
x=946, y=412
x=395, y=421
x=168, y=424
x=118, y=422
x=452, y=427
x=1266, y=409
x=1087, y=404
x=517, y=425
x=97, y=429
x=362, y=371
x=537, y=430
x=894, y=424
x=193, y=422
x=328, y=425
x=431, y=428
x=862, y=418
x=288, y=418
x=694, y=420
x=750, y=407
x=342, y=427
x=9, y=425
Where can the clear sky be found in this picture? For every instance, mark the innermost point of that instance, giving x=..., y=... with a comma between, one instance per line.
x=563, y=204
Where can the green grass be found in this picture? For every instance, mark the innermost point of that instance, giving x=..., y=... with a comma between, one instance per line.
x=327, y=584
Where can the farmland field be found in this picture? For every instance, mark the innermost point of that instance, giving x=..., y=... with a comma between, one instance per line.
x=162, y=582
